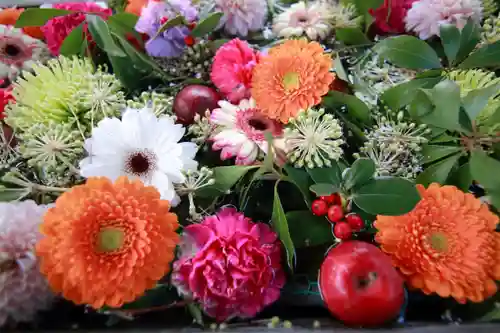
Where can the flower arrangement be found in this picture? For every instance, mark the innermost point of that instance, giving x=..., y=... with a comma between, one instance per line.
x=211, y=154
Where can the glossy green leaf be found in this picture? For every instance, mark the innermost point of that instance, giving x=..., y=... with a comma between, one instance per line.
x=355, y=106
x=102, y=36
x=469, y=38
x=301, y=179
x=12, y=194
x=485, y=170
x=307, y=229
x=432, y=153
x=216, y=44
x=438, y=172
x=421, y=105
x=339, y=69
x=36, y=17
x=280, y=225
x=403, y=94
x=161, y=295
x=450, y=39
x=225, y=178
x=476, y=100
x=462, y=177
x=323, y=189
x=486, y=56
x=363, y=7
x=387, y=196
x=124, y=23
x=207, y=26
x=360, y=173
x=178, y=20
x=446, y=99
x=331, y=175
x=72, y=44
x=408, y=52
x=351, y=36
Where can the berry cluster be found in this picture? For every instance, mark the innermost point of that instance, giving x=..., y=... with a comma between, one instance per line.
x=344, y=225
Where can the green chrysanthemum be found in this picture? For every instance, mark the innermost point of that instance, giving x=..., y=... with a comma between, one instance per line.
x=490, y=7
x=65, y=90
x=469, y=80
x=160, y=103
x=491, y=29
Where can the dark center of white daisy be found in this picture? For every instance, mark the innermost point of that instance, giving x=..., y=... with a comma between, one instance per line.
x=258, y=124
x=140, y=163
x=11, y=50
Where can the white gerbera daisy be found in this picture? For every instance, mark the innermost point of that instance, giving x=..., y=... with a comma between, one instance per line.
x=142, y=146
x=240, y=131
x=301, y=19
x=19, y=52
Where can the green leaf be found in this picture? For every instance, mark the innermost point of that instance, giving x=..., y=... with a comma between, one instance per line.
x=216, y=44
x=307, y=229
x=331, y=175
x=72, y=44
x=360, y=173
x=432, y=153
x=421, y=105
x=207, y=25
x=387, y=196
x=438, y=172
x=301, y=179
x=403, y=94
x=485, y=170
x=323, y=189
x=36, y=17
x=280, y=224
x=462, y=178
x=351, y=36
x=408, y=52
x=12, y=194
x=355, y=106
x=486, y=56
x=339, y=69
x=469, y=37
x=363, y=7
x=446, y=98
x=102, y=36
x=124, y=23
x=225, y=178
x=476, y=100
x=160, y=295
x=450, y=39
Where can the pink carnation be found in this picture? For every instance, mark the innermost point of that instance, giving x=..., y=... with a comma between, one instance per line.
x=230, y=265
x=232, y=69
x=58, y=28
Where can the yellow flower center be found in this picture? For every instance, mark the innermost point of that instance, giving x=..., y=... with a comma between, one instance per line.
x=438, y=242
x=291, y=81
x=110, y=239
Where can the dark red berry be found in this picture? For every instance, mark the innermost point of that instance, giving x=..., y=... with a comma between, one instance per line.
x=335, y=213
x=189, y=40
x=319, y=207
x=191, y=25
x=355, y=221
x=342, y=231
x=331, y=199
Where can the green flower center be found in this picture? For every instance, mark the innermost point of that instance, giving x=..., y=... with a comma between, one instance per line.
x=110, y=239
x=291, y=81
x=439, y=242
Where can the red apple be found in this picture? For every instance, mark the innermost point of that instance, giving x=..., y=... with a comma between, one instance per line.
x=359, y=285
x=194, y=99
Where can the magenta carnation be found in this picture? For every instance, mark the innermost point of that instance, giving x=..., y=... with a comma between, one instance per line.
x=230, y=265
x=58, y=28
x=232, y=69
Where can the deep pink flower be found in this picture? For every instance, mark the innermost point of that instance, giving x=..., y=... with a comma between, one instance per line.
x=390, y=16
x=58, y=28
x=5, y=97
x=232, y=69
x=230, y=265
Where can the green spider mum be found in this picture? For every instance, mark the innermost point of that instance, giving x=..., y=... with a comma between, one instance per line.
x=490, y=7
x=160, y=103
x=473, y=79
x=491, y=29
x=65, y=90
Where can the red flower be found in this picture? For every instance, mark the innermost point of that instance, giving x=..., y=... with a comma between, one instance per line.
x=5, y=98
x=390, y=16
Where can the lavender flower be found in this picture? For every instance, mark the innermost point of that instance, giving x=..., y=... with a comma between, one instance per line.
x=169, y=43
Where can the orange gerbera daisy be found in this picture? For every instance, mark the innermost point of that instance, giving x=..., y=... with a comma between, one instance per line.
x=291, y=78
x=105, y=243
x=446, y=244
x=9, y=16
